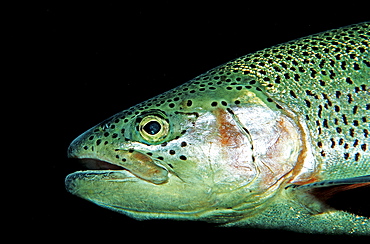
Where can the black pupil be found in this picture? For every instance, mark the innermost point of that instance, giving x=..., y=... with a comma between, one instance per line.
x=152, y=128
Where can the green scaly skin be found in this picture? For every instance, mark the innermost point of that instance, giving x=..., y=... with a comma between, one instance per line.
x=320, y=83
x=323, y=78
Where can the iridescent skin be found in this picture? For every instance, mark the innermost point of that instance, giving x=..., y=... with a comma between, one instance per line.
x=232, y=145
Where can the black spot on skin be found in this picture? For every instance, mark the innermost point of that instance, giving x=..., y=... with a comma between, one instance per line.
x=278, y=106
x=341, y=141
x=357, y=156
x=230, y=110
x=309, y=93
x=293, y=94
x=182, y=157
x=350, y=99
x=345, y=121
x=325, y=123
x=349, y=81
x=308, y=103
x=363, y=147
x=355, y=109
x=346, y=156
x=352, y=132
x=332, y=143
x=356, y=143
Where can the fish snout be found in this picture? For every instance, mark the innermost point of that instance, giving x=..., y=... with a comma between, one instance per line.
x=74, y=149
x=95, y=154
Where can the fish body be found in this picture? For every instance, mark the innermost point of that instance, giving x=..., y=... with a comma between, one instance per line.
x=261, y=141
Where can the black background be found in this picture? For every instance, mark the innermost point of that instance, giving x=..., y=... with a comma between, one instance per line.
x=81, y=63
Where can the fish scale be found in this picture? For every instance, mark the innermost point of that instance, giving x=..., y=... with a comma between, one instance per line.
x=326, y=80
x=247, y=143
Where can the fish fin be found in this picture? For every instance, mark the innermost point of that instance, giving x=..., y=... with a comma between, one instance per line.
x=342, y=194
x=339, y=182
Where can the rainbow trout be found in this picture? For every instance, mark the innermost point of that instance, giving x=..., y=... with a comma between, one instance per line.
x=263, y=141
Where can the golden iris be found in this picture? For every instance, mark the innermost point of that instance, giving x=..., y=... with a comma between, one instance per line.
x=153, y=128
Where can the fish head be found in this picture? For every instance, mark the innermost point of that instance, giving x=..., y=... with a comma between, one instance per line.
x=185, y=154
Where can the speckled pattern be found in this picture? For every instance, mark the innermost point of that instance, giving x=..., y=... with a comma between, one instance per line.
x=321, y=81
x=324, y=78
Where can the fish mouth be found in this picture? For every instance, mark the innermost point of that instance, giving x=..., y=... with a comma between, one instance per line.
x=95, y=170
x=97, y=164
x=93, y=166
x=133, y=164
x=121, y=161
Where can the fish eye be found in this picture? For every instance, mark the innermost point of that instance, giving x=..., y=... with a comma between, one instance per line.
x=153, y=128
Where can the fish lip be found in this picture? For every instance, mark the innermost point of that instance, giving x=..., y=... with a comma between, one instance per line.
x=96, y=169
x=91, y=161
x=95, y=165
x=72, y=180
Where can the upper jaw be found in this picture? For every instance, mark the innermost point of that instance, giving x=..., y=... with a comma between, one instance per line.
x=115, y=156
x=137, y=163
x=97, y=169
